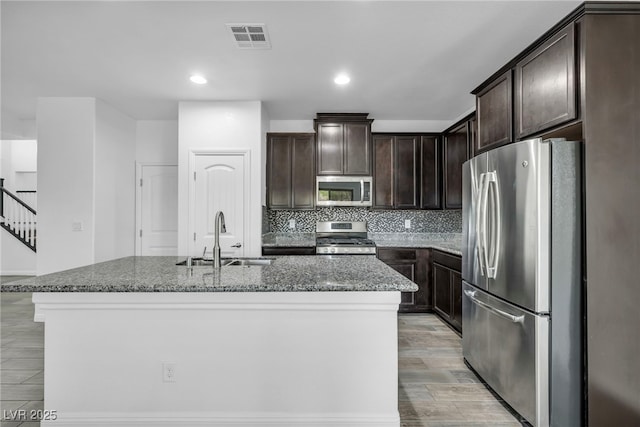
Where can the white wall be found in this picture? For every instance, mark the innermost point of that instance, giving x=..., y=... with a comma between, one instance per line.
x=114, y=178
x=18, y=160
x=14, y=127
x=291, y=126
x=15, y=258
x=157, y=141
x=66, y=134
x=221, y=125
x=410, y=125
x=18, y=163
x=86, y=176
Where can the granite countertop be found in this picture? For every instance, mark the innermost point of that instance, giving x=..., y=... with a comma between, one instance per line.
x=160, y=274
x=447, y=242
x=289, y=240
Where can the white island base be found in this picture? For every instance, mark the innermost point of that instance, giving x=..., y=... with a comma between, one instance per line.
x=239, y=358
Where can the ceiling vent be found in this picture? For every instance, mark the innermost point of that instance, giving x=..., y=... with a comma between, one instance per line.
x=250, y=36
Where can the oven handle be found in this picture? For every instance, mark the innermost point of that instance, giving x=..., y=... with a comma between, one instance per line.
x=504, y=314
x=362, y=191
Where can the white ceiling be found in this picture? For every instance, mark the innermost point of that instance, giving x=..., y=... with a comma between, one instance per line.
x=408, y=60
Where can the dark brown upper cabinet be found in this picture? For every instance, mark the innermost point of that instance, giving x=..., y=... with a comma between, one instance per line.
x=383, y=171
x=290, y=170
x=343, y=144
x=494, y=113
x=545, y=85
x=456, y=152
x=396, y=171
x=473, y=136
x=430, y=172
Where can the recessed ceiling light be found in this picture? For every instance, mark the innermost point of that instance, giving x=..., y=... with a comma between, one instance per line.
x=341, y=79
x=199, y=80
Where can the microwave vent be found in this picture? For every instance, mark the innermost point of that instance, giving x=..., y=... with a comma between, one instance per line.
x=250, y=36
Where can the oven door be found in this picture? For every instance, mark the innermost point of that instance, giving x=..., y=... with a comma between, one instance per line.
x=343, y=191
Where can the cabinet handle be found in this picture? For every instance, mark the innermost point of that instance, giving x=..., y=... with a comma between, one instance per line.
x=237, y=245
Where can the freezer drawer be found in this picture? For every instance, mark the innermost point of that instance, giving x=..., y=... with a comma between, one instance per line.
x=509, y=348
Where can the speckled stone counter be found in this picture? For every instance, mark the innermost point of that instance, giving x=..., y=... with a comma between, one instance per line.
x=300, y=240
x=160, y=274
x=447, y=242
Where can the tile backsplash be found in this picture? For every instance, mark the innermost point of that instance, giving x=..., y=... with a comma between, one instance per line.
x=378, y=221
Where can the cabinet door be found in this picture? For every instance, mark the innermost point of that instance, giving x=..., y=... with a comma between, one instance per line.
x=456, y=300
x=330, y=146
x=473, y=136
x=424, y=296
x=357, y=149
x=455, y=154
x=407, y=170
x=494, y=112
x=442, y=291
x=430, y=173
x=303, y=171
x=408, y=271
x=404, y=261
x=383, y=171
x=278, y=171
x=546, y=85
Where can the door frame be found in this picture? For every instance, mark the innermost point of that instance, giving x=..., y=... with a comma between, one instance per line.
x=139, y=166
x=191, y=215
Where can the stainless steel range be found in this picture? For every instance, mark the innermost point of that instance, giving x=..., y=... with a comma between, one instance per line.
x=343, y=238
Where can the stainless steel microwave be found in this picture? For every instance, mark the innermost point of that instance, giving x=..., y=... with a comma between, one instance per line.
x=343, y=191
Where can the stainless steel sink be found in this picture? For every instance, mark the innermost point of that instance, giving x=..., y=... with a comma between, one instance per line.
x=248, y=261
x=197, y=262
x=229, y=262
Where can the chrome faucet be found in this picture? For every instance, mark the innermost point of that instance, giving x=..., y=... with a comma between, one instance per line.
x=220, y=227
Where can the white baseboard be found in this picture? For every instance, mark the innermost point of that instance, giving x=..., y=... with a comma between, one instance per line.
x=235, y=420
x=17, y=273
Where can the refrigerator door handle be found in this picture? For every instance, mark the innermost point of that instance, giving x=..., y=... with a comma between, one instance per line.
x=480, y=249
x=482, y=222
x=492, y=268
x=515, y=319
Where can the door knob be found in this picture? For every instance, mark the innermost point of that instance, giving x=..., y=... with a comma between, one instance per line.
x=237, y=245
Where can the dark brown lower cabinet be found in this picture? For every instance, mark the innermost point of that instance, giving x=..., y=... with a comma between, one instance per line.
x=414, y=264
x=447, y=287
x=288, y=250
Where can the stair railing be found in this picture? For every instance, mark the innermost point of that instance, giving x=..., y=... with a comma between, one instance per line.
x=17, y=217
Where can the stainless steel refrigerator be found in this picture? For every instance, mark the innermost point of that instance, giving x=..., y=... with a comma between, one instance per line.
x=522, y=276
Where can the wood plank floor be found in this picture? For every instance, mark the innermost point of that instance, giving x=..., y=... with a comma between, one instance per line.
x=435, y=388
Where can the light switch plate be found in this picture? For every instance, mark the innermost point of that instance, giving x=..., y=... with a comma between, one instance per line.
x=76, y=226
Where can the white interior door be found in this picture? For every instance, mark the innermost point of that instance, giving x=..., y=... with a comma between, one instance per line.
x=158, y=207
x=219, y=186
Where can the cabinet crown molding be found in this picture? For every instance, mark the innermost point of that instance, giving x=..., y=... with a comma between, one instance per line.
x=342, y=117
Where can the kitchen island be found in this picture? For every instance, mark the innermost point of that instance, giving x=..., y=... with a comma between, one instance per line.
x=141, y=341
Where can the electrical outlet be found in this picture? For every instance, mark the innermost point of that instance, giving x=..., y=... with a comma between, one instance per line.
x=76, y=226
x=407, y=223
x=168, y=372
x=292, y=224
